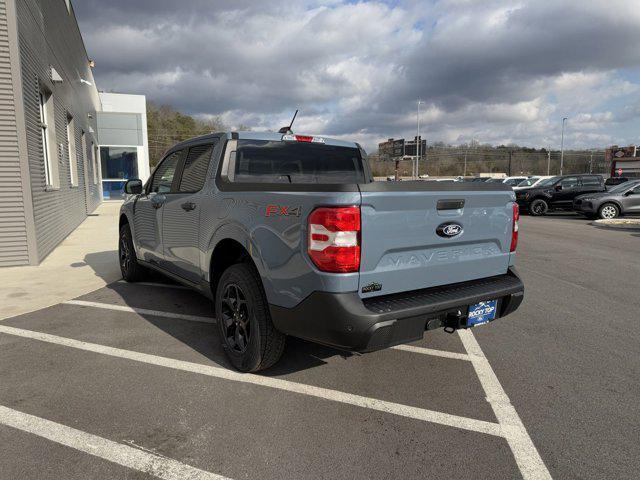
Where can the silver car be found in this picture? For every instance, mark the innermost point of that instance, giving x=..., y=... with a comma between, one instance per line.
x=622, y=199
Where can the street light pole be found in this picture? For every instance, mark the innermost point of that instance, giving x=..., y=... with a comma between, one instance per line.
x=564, y=119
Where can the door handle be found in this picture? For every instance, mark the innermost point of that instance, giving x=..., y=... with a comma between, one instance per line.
x=188, y=206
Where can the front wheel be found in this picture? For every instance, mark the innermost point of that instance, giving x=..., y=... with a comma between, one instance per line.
x=249, y=338
x=131, y=270
x=538, y=207
x=608, y=211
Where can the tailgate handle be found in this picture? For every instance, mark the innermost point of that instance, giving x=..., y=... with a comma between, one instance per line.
x=450, y=204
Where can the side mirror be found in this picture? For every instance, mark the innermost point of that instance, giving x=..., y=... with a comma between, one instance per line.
x=558, y=188
x=629, y=192
x=133, y=186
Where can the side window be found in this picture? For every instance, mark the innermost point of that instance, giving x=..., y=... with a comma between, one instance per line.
x=195, y=168
x=48, y=135
x=591, y=181
x=636, y=191
x=163, y=176
x=569, y=182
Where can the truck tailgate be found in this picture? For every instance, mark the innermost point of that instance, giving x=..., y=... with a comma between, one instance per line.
x=402, y=250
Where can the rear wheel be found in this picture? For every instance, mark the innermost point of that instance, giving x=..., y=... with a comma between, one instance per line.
x=249, y=338
x=538, y=207
x=608, y=211
x=131, y=270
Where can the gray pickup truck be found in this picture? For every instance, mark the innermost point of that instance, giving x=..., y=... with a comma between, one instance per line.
x=290, y=235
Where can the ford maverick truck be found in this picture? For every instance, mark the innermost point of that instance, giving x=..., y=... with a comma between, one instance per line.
x=290, y=235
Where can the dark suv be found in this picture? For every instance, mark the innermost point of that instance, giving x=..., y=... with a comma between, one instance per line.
x=557, y=193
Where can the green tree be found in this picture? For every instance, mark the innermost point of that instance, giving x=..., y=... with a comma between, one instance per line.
x=166, y=126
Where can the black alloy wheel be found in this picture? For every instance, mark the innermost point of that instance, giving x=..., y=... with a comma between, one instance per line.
x=236, y=318
x=538, y=207
x=249, y=339
x=131, y=270
x=124, y=253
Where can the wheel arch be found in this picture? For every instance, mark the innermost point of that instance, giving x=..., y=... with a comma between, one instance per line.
x=123, y=220
x=231, y=244
x=614, y=202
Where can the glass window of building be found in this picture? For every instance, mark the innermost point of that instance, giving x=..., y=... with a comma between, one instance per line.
x=119, y=164
x=71, y=149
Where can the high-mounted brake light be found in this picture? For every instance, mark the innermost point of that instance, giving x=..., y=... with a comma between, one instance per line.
x=302, y=138
x=514, y=231
x=334, y=239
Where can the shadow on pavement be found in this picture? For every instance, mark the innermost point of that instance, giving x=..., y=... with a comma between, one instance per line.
x=104, y=264
x=204, y=338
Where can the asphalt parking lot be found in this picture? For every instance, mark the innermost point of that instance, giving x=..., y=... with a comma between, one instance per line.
x=129, y=381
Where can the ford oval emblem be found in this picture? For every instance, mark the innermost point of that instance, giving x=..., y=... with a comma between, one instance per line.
x=449, y=230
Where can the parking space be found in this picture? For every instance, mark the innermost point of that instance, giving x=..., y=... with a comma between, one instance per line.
x=131, y=381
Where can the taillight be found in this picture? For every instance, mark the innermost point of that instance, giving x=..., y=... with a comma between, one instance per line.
x=334, y=239
x=514, y=230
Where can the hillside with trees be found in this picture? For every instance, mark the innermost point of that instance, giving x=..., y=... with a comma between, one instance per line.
x=166, y=126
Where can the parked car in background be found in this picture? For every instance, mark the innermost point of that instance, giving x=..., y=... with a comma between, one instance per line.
x=475, y=179
x=621, y=199
x=557, y=193
x=613, y=181
x=514, y=181
x=531, y=182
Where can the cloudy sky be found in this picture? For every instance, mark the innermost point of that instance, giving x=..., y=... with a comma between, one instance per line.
x=495, y=71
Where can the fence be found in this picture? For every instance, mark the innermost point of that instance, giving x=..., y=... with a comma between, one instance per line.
x=468, y=162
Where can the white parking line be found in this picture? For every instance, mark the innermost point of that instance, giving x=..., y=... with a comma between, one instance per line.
x=141, y=311
x=130, y=457
x=527, y=457
x=416, y=413
x=154, y=284
x=431, y=351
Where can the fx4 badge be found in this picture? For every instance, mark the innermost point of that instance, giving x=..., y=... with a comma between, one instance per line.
x=372, y=287
x=282, y=211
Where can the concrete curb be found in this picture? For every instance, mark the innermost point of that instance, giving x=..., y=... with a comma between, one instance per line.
x=619, y=224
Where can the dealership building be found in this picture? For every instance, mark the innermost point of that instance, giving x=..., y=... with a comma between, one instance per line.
x=624, y=161
x=63, y=145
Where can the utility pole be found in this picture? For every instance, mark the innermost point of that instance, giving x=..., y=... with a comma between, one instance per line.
x=548, y=160
x=591, y=163
x=564, y=119
x=418, y=142
x=464, y=173
x=510, y=157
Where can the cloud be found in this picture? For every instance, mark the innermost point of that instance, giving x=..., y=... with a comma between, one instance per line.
x=493, y=70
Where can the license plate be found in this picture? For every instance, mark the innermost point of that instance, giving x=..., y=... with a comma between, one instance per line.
x=482, y=312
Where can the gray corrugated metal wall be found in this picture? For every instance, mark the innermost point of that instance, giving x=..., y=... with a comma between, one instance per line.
x=49, y=36
x=13, y=229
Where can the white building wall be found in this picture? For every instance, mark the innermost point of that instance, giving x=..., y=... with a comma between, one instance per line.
x=126, y=103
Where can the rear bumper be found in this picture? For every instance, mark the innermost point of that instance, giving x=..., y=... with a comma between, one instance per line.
x=345, y=321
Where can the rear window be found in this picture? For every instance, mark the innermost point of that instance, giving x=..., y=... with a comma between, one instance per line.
x=591, y=181
x=270, y=161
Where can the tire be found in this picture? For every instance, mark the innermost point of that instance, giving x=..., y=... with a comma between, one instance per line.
x=131, y=270
x=608, y=211
x=538, y=207
x=248, y=336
